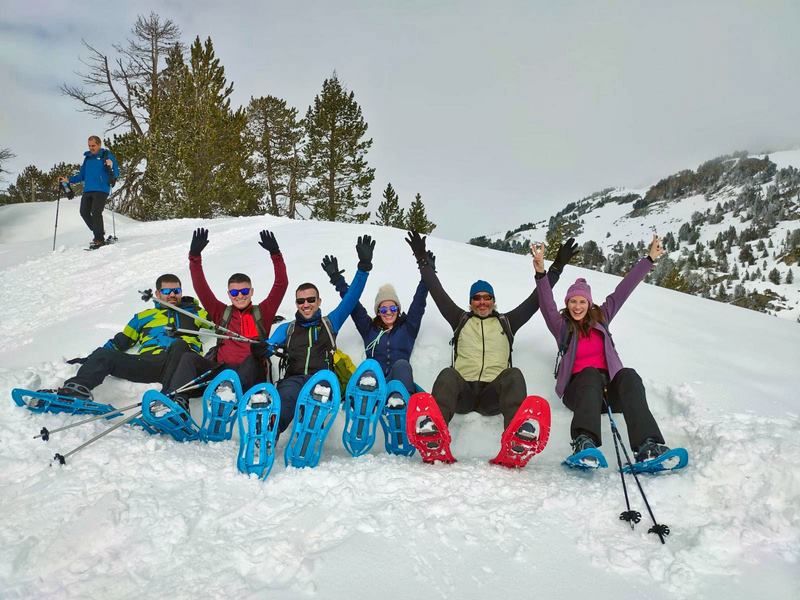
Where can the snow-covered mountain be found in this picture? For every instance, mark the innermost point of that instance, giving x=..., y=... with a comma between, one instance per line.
x=732, y=228
x=137, y=516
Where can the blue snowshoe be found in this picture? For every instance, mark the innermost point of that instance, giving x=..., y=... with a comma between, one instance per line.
x=164, y=415
x=258, y=415
x=393, y=419
x=51, y=401
x=587, y=460
x=363, y=403
x=317, y=405
x=677, y=458
x=220, y=400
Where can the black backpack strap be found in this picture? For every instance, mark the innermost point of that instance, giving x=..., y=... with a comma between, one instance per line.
x=506, y=325
x=262, y=331
x=326, y=323
x=226, y=316
x=456, y=332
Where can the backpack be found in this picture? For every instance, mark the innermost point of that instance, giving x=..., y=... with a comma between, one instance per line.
x=566, y=338
x=339, y=362
x=463, y=321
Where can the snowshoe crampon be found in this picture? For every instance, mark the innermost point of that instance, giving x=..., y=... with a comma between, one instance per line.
x=526, y=435
x=677, y=458
x=220, y=400
x=432, y=441
x=363, y=404
x=393, y=419
x=314, y=414
x=587, y=460
x=162, y=414
x=258, y=414
x=49, y=401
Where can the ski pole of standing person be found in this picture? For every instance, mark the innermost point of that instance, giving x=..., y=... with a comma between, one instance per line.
x=98, y=173
x=66, y=189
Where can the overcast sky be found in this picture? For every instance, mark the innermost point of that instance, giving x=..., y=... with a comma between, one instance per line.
x=497, y=113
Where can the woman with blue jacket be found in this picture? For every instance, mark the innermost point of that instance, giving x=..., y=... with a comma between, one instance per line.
x=389, y=336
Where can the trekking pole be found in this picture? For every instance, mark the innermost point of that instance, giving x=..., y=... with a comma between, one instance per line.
x=219, y=336
x=148, y=295
x=55, y=229
x=193, y=384
x=630, y=516
x=659, y=529
x=45, y=433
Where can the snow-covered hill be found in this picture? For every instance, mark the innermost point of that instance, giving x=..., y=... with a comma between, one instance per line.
x=139, y=516
x=708, y=215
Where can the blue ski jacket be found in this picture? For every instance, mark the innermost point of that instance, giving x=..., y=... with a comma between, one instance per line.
x=93, y=172
x=397, y=343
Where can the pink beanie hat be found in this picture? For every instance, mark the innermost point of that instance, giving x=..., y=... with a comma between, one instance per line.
x=579, y=288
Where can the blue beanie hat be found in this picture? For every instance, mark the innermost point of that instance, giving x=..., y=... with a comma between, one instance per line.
x=481, y=286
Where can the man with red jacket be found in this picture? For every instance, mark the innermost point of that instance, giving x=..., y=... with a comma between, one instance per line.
x=241, y=316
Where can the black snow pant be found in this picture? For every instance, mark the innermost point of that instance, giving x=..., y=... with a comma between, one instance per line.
x=504, y=394
x=251, y=371
x=140, y=368
x=92, y=205
x=625, y=394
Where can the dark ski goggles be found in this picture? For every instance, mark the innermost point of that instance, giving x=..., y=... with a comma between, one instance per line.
x=168, y=291
x=243, y=292
x=387, y=309
x=309, y=300
x=484, y=297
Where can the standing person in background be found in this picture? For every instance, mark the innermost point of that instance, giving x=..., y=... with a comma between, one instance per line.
x=98, y=173
x=591, y=372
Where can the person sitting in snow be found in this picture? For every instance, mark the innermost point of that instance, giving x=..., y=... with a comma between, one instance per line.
x=250, y=320
x=159, y=350
x=481, y=378
x=591, y=372
x=389, y=336
x=308, y=342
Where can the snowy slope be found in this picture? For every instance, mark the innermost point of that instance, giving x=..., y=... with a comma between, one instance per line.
x=139, y=516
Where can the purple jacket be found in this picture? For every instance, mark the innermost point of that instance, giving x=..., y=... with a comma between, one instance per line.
x=557, y=324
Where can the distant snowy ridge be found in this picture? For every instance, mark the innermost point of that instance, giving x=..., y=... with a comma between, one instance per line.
x=731, y=227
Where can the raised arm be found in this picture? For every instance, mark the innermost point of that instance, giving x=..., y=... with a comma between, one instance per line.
x=207, y=298
x=360, y=316
x=451, y=312
x=417, y=309
x=269, y=306
x=522, y=313
x=365, y=247
x=544, y=292
x=635, y=276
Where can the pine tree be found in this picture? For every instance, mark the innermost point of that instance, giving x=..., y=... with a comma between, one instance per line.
x=416, y=219
x=389, y=212
x=722, y=295
x=206, y=175
x=336, y=154
x=775, y=276
x=553, y=239
x=789, y=277
x=274, y=137
x=675, y=281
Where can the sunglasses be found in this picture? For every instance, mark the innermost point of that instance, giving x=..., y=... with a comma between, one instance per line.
x=387, y=309
x=309, y=300
x=243, y=292
x=479, y=297
x=168, y=291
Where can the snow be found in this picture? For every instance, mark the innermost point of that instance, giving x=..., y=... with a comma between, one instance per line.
x=135, y=515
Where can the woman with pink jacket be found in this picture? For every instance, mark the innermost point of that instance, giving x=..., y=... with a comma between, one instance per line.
x=591, y=370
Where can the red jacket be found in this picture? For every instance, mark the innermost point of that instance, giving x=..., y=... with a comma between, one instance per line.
x=232, y=352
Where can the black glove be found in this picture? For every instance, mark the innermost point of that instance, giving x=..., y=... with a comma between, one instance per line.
x=364, y=247
x=565, y=253
x=268, y=242
x=199, y=241
x=78, y=360
x=259, y=350
x=330, y=265
x=417, y=243
x=431, y=260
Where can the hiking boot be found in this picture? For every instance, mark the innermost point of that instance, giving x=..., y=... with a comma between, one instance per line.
x=582, y=442
x=528, y=431
x=426, y=426
x=649, y=450
x=95, y=244
x=75, y=390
